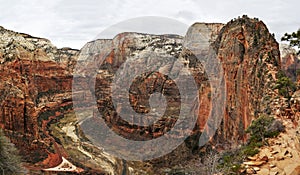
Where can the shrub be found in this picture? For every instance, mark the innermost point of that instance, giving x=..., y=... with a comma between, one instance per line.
x=285, y=86
x=231, y=162
x=10, y=161
x=260, y=129
x=249, y=151
x=264, y=127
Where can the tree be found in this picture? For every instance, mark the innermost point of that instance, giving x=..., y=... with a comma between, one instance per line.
x=264, y=127
x=10, y=161
x=285, y=86
x=211, y=162
x=293, y=39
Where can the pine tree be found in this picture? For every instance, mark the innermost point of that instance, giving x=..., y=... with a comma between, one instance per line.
x=293, y=39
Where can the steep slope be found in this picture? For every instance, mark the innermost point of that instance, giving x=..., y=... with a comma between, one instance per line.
x=30, y=67
x=36, y=102
x=251, y=59
x=290, y=62
x=35, y=77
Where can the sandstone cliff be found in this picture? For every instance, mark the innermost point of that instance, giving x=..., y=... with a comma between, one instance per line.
x=251, y=59
x=290, y=62
x=36, y=102
x=35, y=77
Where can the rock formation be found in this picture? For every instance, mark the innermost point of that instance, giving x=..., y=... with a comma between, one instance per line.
x=290, y=62
x=251, y=59
x=35, y=77
x=36, y=103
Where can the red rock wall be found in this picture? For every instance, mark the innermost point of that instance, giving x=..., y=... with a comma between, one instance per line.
x=35, y=80
x=251, y=59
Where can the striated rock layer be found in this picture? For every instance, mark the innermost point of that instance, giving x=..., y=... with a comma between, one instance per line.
x=35, y=77
x=251, y=59
x=36, y=105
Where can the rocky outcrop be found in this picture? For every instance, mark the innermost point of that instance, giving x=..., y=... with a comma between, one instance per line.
x=35, y=77
x=36, y=102
x=290, y=62
x=197, y=45
x=281, y=156
x=251, y=59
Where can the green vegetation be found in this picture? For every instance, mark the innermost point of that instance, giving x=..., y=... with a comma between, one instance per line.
x=232, y=160
x=209, y=95
x=298, y=72
x=272, y=59
x=259, y=130
x=262, y=128
x=285, y=86
x=10, y=161
x=255, y=40
x=47, y=94
x=293, y=39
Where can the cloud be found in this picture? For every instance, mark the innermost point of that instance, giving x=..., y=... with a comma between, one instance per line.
x=72, y=23
x=149, y=24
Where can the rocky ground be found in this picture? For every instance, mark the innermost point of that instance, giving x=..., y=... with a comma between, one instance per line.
x=281, y=157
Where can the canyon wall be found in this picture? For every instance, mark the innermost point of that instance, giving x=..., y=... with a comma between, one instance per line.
x=36, y=102
x=251, y=59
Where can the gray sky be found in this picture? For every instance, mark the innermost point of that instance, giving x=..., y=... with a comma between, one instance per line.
x=72, y=23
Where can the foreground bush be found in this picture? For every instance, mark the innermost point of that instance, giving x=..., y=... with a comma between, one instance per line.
x=10, y=161
x=260, y=129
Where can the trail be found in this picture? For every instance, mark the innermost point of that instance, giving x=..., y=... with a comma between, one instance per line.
x=282, y=156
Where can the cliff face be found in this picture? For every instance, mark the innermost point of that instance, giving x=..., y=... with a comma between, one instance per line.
x=250, y=58
x=36, y=88
x=290, y=62
x=200, y=55
x=35, y=77
x=142, y=57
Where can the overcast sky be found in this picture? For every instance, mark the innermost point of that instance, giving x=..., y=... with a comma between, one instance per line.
x=72, y=23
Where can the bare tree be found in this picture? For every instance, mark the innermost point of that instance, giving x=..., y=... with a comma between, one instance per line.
x=211, y=162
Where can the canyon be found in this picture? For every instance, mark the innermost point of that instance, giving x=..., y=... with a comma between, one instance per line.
x=48, y=96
